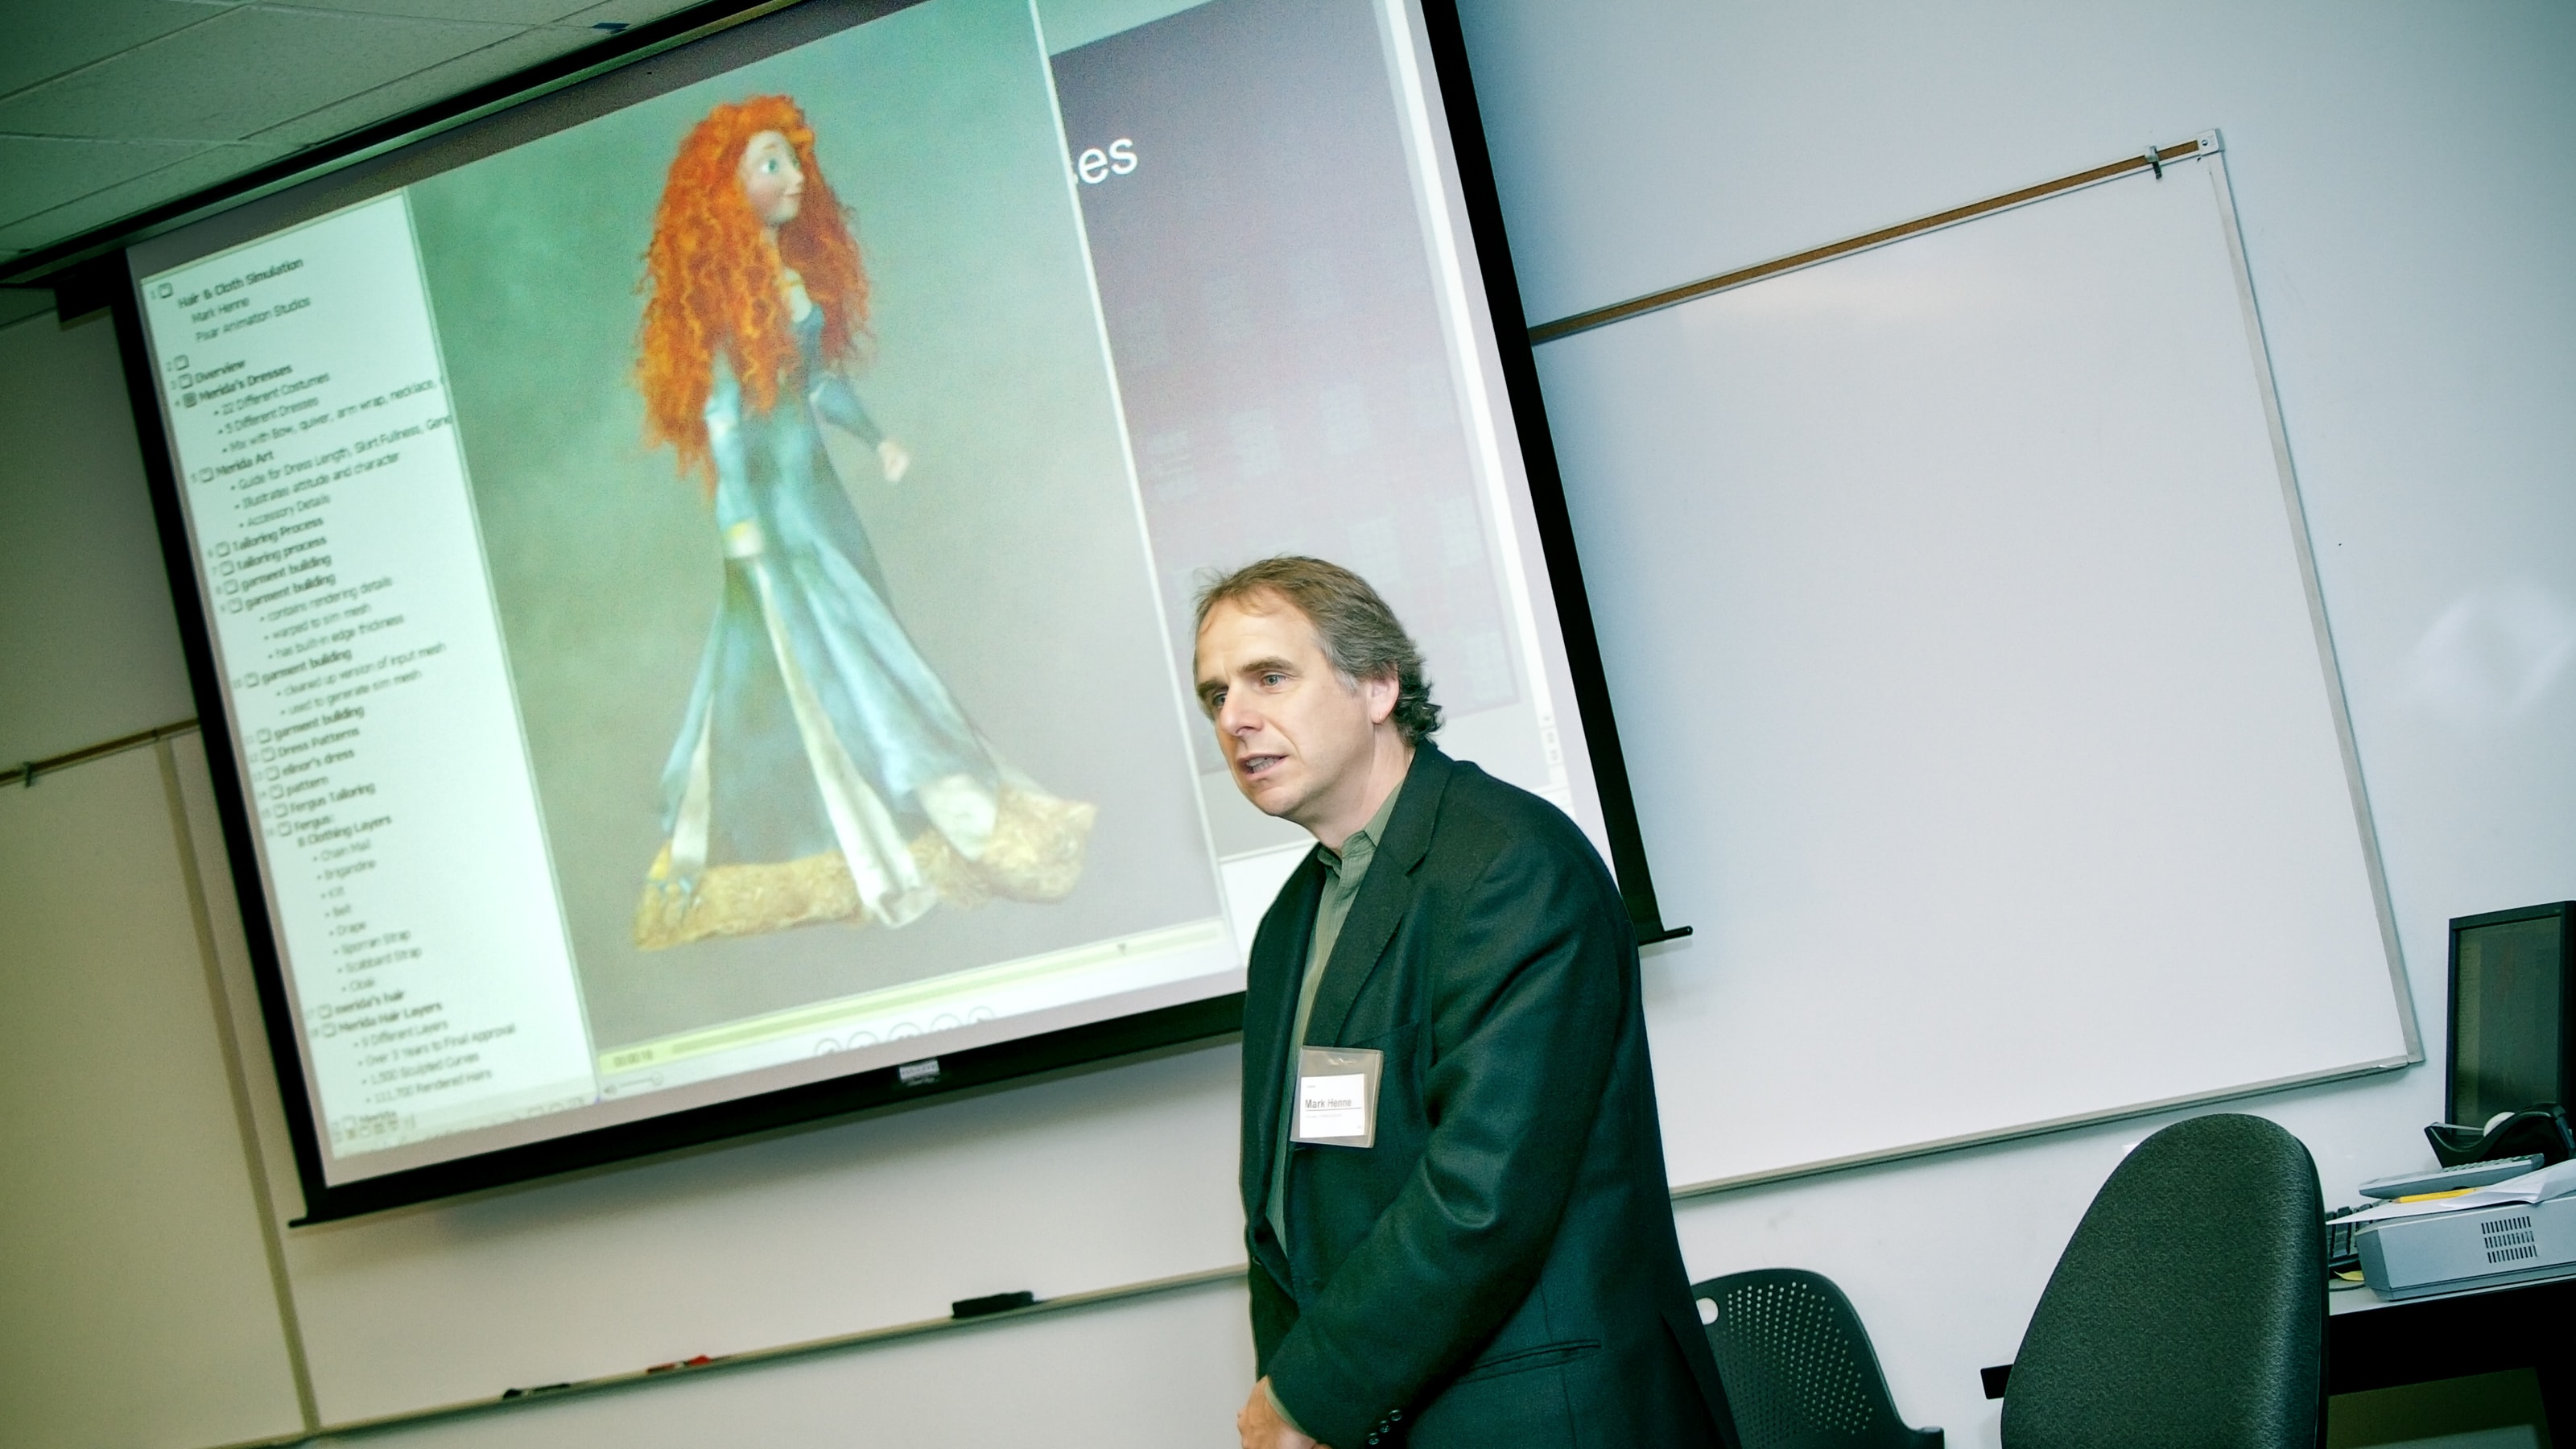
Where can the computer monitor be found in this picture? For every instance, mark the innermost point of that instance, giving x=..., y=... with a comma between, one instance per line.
x=2511, y=973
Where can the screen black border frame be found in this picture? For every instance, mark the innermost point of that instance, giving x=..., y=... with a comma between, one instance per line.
x=1098, y=1044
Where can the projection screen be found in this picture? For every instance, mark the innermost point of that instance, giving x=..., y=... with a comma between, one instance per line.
x=692, y=572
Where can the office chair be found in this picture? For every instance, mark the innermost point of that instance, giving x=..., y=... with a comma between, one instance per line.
x=2190, y=1307
x=1797, y=1365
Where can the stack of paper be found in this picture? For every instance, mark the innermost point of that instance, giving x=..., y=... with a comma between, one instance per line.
x=2531, y=1187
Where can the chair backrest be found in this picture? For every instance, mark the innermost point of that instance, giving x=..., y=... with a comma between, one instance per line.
x=1797, y=1365
x=2190, y=1307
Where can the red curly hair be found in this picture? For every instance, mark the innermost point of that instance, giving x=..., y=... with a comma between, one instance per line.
x=712, y=284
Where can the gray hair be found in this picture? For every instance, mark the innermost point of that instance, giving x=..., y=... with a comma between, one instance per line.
x=1359, y=632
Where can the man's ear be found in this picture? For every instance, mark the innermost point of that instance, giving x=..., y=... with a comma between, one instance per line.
x=1381, y=691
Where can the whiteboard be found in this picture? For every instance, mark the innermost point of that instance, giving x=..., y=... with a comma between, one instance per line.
x=1976, y=691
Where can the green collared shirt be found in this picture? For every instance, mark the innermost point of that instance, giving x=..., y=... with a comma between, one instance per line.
x=1342, y=875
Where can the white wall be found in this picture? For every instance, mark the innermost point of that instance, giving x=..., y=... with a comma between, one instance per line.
x=2407, y=207
x=139, y=1303
x=92, y=652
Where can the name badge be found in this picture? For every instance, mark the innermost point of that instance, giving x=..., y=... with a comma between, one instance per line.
x=1337, y=1096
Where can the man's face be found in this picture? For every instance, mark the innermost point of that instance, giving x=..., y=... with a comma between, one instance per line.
x=1297, y=736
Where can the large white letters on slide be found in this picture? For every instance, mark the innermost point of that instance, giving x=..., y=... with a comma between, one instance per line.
x=328, y=503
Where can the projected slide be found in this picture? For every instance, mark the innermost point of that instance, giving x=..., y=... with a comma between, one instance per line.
x=1285, y=329
x=703, y=594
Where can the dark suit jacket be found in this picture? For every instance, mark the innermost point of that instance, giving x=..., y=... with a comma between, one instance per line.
x=1500, y=1268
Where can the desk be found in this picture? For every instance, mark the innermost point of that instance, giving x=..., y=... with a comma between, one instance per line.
x=2376, y=1343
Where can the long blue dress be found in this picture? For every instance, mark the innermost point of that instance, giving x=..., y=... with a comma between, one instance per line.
x=823, y=772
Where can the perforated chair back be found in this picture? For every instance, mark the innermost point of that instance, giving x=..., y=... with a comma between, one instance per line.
x=1797, y=1365
x=2189, y=1310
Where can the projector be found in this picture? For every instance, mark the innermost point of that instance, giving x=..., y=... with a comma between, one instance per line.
x=2475, y=1247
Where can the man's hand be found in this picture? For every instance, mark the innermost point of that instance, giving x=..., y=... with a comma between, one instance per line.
x=893, y=461
x=1261, y=1426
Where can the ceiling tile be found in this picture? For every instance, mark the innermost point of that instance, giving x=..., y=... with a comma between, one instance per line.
x=507, y=12
x=164, y=80
x=422, y=88
x=38, y=173
x=195, y=172
x=243, y=71
x=48, y=37
x=627, y=12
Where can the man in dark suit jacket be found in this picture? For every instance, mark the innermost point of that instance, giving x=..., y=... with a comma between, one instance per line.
x=1496, y=1265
